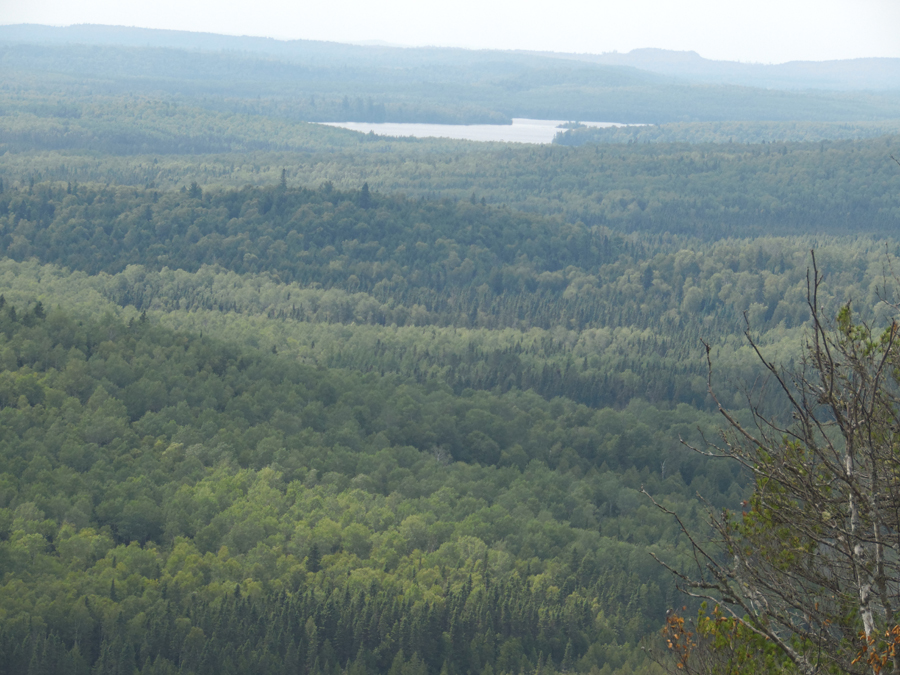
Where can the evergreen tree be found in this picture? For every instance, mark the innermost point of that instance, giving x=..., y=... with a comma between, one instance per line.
x=365, y=199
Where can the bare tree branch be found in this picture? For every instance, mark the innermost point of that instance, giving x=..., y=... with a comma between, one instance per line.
x=812, y=564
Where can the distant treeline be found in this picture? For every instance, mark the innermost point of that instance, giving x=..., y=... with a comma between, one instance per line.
x=730, y=132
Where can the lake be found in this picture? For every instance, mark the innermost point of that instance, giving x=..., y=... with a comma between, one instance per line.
x=522, y=130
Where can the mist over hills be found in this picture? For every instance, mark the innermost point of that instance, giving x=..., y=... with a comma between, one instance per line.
x=325, y=81
x=842, y=75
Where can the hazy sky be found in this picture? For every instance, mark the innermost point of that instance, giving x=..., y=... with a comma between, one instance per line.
x=768, y=31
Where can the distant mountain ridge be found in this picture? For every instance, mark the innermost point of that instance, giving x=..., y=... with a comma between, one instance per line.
x=305, y=80
x=312, y=53
x=843, y=75
x=131, y=36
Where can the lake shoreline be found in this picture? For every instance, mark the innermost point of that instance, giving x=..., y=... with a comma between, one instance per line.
x=522, y=130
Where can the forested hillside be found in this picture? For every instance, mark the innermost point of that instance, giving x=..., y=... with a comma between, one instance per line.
x=359, y=459
x=470, y=295
x=277, y=397
x=209, y=505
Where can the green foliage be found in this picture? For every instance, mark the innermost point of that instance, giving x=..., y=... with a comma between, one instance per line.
x=332, y=238
x=658, y=191
x=716, y=642
x=167, y=494
x=417, y=442
x=130, y=125
x=469, y=296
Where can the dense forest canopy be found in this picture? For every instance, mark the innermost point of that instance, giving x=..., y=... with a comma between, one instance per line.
x=557, y=291
x=702, y=189
x=280, y=397
x=166, y=477
x=403, y=369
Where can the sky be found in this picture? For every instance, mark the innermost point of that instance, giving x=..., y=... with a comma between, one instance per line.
x=761, y=31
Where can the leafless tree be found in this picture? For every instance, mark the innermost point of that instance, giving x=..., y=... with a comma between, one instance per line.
x=810, y=563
